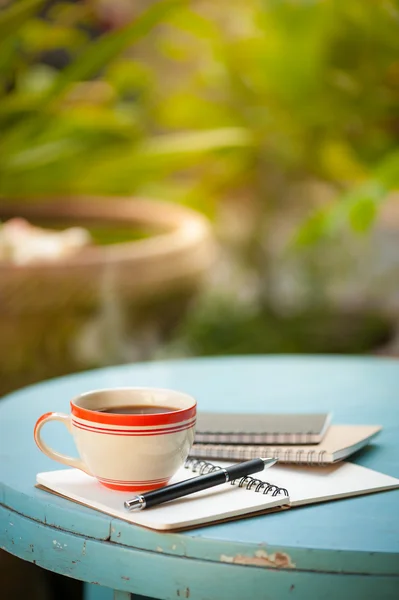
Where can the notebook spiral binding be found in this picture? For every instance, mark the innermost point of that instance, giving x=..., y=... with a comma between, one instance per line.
x=203, y=467
x=301, y=457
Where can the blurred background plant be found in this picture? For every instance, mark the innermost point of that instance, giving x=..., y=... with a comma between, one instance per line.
x=312, y=89
x=276, y=119
x=77, y=101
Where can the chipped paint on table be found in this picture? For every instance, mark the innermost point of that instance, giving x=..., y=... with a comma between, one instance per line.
x=260, y=558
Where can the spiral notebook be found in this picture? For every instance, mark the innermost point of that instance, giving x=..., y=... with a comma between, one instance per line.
x=262, y=428
x=339, y=442
x=281, y=487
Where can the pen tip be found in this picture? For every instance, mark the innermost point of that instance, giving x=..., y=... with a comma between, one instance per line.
x=269, y=461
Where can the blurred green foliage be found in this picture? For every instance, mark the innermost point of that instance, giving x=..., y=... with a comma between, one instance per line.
x=86, y=128
x=194, y=102
x=219, y=327
x=315, y=84
x=199, y=103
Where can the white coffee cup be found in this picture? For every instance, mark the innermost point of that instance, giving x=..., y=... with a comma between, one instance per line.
x=124, y=450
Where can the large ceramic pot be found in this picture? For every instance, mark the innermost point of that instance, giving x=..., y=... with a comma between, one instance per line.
x=108, y=303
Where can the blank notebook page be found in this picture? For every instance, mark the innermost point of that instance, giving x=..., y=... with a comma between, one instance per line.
x=307, y=485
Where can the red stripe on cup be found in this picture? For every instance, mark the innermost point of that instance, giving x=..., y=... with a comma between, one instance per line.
x=176, y=416
x=131, y=432
x=131, y=481
x=133, y=487
x=40, y=419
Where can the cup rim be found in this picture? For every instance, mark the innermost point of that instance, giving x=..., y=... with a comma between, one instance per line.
x=175, y=416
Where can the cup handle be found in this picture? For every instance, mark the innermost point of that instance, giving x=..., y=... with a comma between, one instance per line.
x=76, y=463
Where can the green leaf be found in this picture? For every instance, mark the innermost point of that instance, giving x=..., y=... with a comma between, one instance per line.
x=362, y=214
x=193, y=22
x=364, y=203
x=39, y=36
x=43, y=154
x=194, y=142
x=128, y=76
x=313, y=229
x=358, y=208
x=13, y=17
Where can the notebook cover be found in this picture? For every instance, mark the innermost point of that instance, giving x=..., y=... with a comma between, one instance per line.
x=339, y=442
x=261, y=428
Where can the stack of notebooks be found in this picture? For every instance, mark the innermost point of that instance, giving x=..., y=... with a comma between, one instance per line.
x=292, y=438
x=310, y=470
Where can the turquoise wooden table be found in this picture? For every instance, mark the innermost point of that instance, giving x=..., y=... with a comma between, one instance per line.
x=343, y=549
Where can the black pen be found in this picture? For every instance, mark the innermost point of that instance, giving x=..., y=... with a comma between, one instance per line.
x=195, y=484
